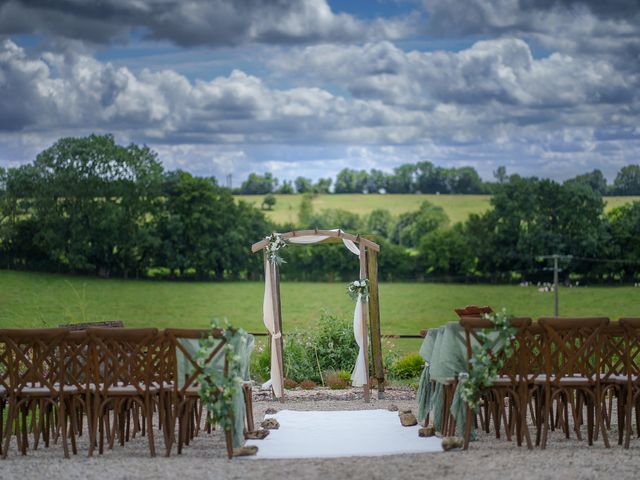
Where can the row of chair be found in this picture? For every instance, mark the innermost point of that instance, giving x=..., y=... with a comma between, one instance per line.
x=563, y=373
x=120, y=382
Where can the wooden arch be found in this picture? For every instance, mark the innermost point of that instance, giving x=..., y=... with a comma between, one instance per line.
x=368, y=257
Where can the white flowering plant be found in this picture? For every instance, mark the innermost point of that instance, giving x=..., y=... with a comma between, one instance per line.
x=359, y=288
x=489, y=355
x=276, y=242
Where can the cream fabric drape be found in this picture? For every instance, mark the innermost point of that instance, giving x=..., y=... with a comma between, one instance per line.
x=269, y=319
x=359, y=375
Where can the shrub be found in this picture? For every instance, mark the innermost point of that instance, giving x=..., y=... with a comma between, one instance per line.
x=308, y=384
x=290, y=384
x=334, y=343
x=299, y=361
x=337, y=380
x=409, y=366
x=261, y=363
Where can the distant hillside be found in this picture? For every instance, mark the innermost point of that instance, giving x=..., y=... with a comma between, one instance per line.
x=457, y=207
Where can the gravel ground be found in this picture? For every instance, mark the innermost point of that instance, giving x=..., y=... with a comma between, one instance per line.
x=205, y=457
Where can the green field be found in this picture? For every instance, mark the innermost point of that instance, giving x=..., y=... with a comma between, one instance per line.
x=457, y=207
x=37, y=300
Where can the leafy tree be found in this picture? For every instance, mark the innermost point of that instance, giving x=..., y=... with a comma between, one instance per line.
x=500, y=174
x=91, y=201
x=402, y=179
x=336, y=218
x=594, y=180
x=303, y=185
x=259, y=184
x=323, y=185
x=305, y=212
x=627, y=181
x=624, y=224
x=269, y=202
x=286, y=188
x=202, y=228
x=465, y=180
x=412, y=226
x=447, y=252
x=351, y=181
x=380, y=222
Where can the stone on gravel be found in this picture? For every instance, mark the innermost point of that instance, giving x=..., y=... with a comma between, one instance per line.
x=270, y=424
x=270, y=411
x=450, y=443
x=400, y=412
x=393, y=408
x=427, y=432
x=245, y=451
x=256, y=435
x=408, y=419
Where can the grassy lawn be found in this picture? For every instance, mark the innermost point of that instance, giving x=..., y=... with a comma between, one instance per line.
x=37, y=300
x=457, y=207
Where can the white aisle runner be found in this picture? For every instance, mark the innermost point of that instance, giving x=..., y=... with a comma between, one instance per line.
x=323, y=434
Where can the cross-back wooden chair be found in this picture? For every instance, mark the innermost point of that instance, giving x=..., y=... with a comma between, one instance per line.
x=507, y=386
x=631, y=327
x=4, y=386
x=186, y=409
x=121, y=370
x=36, y=386
x=572, y=373
x=613, y=376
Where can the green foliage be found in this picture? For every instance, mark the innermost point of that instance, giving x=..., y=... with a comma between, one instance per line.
x=217, y=390
x=627, y=182
x=328, y=346
x=447, y=252
x=286, y=188
x=494, y=348
x=407, y=367
x=259, y=184
x=305, y=213
x=268, y=202
x=380, y=223
x=337, y=379
x=412, y=227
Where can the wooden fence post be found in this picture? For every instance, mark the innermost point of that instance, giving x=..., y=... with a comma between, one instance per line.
x=374, y=319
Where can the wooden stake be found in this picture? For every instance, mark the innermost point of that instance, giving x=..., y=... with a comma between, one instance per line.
x=374, y=319
x=365, y=329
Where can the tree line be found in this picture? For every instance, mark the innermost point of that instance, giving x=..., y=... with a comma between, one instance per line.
x=425, y=177
x=90, y=206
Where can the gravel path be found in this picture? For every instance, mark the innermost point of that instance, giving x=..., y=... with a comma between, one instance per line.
x=205, y=457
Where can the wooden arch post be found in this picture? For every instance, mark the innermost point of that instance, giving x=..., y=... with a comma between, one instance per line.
x=370, y=318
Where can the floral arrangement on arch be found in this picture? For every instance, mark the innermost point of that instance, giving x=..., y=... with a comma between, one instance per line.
x=276, y=242
x=359, y=288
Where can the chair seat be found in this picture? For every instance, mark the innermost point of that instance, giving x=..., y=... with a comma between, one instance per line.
x=616, y=379
x=564, y=381
x=506, y=381
x=32, y=390
x=125, y=390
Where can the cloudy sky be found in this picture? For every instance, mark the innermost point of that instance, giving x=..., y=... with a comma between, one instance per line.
x=307, y=87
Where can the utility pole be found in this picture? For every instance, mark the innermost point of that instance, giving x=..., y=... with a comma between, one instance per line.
x=555, y=258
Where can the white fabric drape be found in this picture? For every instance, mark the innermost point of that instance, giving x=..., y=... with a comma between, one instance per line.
x=268, y=317
x=308, y=239
x=359, y=375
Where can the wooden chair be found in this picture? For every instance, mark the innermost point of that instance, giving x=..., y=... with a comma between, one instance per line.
x=631, y=327
x=121, y=371
x=613, y=375
x=472, y=311
x=508, y=385
x=185, y=398
x=572, y=372
x=36, y=386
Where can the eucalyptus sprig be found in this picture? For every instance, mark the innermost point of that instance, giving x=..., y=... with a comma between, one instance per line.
x=217, y=389
x=359, y=288
x=494, y=349
x=276, y=242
